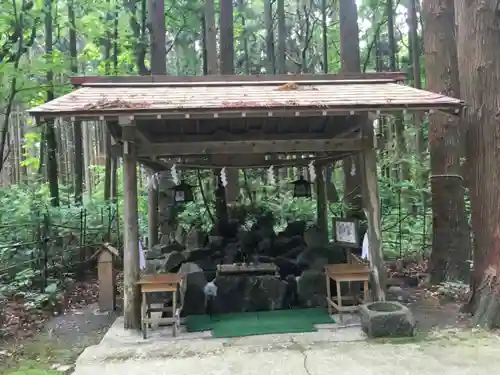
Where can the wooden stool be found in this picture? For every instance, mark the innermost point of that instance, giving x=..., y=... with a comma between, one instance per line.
x=163, y=283
x=345, y=273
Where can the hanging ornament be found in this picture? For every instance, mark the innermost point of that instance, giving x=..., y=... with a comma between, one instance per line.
x=223, y=177
x=301, y=188
x=353, y=168
x=270, y=176
x=175, y=176
x=312, y=171
x=183, y=193
x=153, y=182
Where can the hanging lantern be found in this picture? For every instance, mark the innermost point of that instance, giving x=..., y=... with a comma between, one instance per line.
x=183, y=193
x=302, y=188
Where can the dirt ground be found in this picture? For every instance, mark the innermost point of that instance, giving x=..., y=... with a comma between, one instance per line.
x=432, y=314
x=58, y=345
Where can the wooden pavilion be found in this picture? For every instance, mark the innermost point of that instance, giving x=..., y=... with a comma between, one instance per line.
x=195, y=119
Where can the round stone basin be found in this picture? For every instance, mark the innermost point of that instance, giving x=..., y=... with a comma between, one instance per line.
x=384, y=307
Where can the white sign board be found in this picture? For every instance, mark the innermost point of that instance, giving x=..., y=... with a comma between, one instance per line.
x=346, y=232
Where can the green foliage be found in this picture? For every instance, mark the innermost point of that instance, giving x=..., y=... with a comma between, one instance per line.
x=40, y=245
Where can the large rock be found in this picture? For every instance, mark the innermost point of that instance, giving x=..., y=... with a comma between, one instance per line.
x=291, y=297
x=312, y=237
x=154, y=253
x=231, y=252
x=396, y=293
x=192, y=295
x=154, y=266
x=197, y=254
x=295, y=228
x=386, y=319
x=240, y=293
x=166, y=248
x=180, y=235
x=311, y=288
x=287, y=246
x=173, y=260
x=286, y=267
x=215, y=241
x=317, y=257
x=195, y=239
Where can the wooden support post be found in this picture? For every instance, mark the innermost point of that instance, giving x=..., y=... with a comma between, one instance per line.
x=322, y=203
x=131, y=296
x=153, y=211
x=371, y=203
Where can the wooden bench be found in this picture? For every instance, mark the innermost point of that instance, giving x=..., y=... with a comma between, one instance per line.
x=161, y=283
x=345, y=273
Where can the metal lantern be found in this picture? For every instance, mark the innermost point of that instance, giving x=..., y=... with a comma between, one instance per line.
x=183, y=193
x=302, y=188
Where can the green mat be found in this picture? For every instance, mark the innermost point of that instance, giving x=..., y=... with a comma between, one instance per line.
x=259, y=323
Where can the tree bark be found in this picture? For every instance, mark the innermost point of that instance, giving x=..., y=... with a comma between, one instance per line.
x=158, y=42
x=324, y=34
x=210, y=37
x=451, y=234
x=281, y=55
x=479, y=73
x=417, y=83
x=50, y=136
x=158, y=66
x=77, y=124
x=349, y=54
x=268, y=20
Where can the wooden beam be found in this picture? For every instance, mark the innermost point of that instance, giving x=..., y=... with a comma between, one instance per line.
x=371, y=203
x=252, y=135
x=242, y=161
x=243, y=112
x=131, y=271
x=248, y=147
x=322, y=203
x=249, y=161
x=142, y=137
x=393, y=76
x=152, y=210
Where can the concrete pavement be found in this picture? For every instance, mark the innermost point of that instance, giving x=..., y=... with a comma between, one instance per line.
x=343, y=351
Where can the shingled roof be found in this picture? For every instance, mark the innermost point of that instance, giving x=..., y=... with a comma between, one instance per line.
x=114, y=99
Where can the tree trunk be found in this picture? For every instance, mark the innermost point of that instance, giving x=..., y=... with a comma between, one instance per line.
x=210, y=37
x=244, y=37
x=451, y=235
x=390, y=34
x=417, y=83
x=268, y=19
x=231, y=192
x=86, y=159
x=349, y=54
x=77, y=125
x=50, y=136
x=158, y=42
x=226, y=37
x=281, y=56
x=479, y=73
x=158, y=66
x=324, y=34
x=398, y=125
